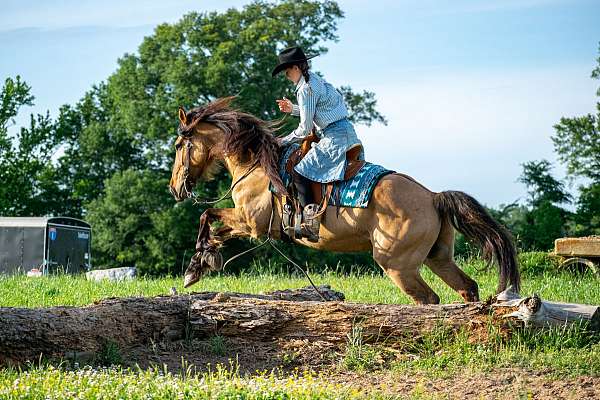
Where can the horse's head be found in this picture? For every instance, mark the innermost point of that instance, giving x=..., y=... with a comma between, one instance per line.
x=217, y=132
x=195, y=154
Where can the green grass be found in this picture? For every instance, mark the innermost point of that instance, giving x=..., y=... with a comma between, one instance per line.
x=569, y=351
x=359, y=355
x=115, y=383
x=65, y=290
x=560, y=353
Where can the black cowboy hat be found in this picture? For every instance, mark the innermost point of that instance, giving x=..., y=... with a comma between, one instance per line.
x=288, y=57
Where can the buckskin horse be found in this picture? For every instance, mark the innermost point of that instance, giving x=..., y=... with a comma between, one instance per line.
x=404, y=226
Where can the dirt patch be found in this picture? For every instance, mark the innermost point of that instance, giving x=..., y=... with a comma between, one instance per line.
x=247, y=356
x=517, y=383
x=496, y=384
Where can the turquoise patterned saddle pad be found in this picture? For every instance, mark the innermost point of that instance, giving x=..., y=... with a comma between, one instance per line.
x=355, y=192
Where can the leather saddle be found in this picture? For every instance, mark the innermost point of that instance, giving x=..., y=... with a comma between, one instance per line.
x=353, y=165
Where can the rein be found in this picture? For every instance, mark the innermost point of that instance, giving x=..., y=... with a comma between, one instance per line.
x=270, y=241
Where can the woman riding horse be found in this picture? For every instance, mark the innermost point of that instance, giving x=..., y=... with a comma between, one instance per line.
x=405, y=225
x=320, y=105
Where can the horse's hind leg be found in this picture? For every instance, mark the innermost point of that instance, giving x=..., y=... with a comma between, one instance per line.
x=401, y=256
x=441, y=262
x=401, y=262
x=409, y=280
x=455, y=278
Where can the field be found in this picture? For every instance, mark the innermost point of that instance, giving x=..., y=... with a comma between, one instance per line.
x=560, y=363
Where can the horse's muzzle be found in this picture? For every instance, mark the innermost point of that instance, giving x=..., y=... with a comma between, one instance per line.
x=177, y=195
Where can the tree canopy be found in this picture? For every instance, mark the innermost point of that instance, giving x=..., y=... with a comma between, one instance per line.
x=116, y=142
x=107, y=157
x=577, y=140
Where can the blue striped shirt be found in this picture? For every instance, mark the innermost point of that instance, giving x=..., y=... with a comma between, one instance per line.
x=319, y=104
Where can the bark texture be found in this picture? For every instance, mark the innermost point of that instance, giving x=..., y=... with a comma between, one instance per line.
x=268, y=322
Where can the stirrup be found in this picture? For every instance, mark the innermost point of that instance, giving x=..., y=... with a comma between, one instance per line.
x=287, y=220
x=311, y=222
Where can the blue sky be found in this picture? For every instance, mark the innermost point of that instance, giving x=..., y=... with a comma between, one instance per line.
x=471, y=89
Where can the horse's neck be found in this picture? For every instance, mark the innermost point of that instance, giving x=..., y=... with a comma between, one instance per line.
x=236, y=169
x=249, y=181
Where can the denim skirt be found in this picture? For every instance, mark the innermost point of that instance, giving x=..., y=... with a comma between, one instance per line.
x=326, y=160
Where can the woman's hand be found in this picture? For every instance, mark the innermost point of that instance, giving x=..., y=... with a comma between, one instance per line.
x=285, y=105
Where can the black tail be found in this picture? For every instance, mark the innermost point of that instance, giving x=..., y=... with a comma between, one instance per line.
x=472, y=220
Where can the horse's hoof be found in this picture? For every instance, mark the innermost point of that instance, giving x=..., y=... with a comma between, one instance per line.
x=200, y=264
x=189, y=279
x=194, y=271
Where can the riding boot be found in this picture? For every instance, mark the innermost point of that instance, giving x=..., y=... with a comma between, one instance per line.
x=309, y=227
x=303, y=192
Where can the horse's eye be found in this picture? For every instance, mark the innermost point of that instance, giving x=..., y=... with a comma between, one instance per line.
x=177, y=146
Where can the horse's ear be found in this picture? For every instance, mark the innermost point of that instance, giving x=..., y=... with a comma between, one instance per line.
x=182, y=116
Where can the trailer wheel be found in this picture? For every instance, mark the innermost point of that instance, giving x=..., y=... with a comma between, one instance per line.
x=579, y=265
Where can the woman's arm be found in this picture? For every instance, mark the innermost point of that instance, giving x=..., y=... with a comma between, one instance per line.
x=307, y=102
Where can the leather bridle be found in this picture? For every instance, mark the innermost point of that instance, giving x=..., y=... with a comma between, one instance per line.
x=186, y=175
x=186, y=169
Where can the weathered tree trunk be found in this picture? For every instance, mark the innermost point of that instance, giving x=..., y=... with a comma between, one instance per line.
x=266, y=321
x=28, y=333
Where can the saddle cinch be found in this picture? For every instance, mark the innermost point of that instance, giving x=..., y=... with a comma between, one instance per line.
x=291, y=206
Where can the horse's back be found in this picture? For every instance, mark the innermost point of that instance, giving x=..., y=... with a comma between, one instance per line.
x=401, y=192
x=397, y=202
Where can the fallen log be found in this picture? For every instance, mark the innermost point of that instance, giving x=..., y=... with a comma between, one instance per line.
x=26, y=334
x=269, y=322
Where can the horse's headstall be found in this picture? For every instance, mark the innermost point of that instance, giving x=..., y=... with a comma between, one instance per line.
x=185, y=132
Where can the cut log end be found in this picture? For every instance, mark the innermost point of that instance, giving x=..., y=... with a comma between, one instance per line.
x=533, y=311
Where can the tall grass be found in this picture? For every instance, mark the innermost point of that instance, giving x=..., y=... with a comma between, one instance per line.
x=20, y=291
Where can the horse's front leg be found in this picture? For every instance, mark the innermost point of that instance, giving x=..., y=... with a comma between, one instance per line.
x=207, y=257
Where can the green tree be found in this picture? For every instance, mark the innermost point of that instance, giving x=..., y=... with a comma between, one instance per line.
x=587, y=216
x=543, y=187
x=577, y=143
x=136, y=224
x=13, y=95
x=362, y=106
x=514, y=217
x=546, y=220
x=96, y=145
x=28, y=176
x=129, y=122
x=543, y=224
